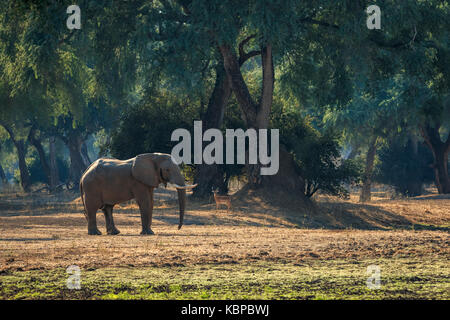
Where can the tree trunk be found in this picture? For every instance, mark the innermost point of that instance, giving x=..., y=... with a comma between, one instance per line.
x=85, y=154
x=3, y=176
x=77, y=164
x=25, y=179
x=21, y=148
x=239, y=87
x=210, y=176
x=441, y=170
x=414, y=186
x=39, y=148
x=2, y=173
x=255, y=115
x=365, y=195
x=54, y=172
x=440, y=152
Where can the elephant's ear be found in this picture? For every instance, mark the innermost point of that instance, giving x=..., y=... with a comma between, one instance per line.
x=144, y=170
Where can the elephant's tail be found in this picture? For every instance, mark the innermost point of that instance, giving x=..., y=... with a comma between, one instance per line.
x=82, y=199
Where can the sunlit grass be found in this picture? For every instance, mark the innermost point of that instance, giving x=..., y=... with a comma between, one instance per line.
x=255, y=252
x=338, y=279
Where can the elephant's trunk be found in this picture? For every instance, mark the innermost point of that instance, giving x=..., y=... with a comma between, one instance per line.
x=182, y=202
x=178, y=181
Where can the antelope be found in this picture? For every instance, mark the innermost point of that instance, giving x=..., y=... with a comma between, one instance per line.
x=225, y=200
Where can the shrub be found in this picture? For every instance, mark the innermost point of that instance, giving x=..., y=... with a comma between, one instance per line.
x=148, y=127
x=404, y=169
x=317, y=155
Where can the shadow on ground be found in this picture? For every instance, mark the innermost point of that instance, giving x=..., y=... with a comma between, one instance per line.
x=250, y=210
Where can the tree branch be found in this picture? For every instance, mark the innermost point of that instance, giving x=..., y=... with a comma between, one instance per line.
x=240, y=89
x=447, y=142
x=185, y=7
x=247, y=56
x=431, y=136
x=391, y=45
x=243, y=43
x=318, y=22
x=378, y=42
x=316, y=188
x=10, y=132
x=243, y=56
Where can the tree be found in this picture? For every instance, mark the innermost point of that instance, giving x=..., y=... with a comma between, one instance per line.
x=36, y=141
x=194, y=66
x=42, y=56
x=2, y=171
x=21, y=148
x=14, y=114
x=405, y=165
x=440, y=150
x=397, y=70
x=231, y=26
x=421, y=59
x=147, y=127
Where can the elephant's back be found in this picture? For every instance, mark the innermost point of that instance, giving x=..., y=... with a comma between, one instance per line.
x=103, y=168
x=109, y=181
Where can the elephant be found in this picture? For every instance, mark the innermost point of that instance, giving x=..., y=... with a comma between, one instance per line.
x=107, y=182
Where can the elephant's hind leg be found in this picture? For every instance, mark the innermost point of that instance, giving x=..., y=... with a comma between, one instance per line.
x=91, y=209
x=110, y=227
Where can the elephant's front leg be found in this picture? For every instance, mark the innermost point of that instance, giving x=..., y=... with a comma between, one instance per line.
x=145, y=202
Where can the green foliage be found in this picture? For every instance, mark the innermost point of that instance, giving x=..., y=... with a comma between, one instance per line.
x=317, y=155
x=402, y=168
x=147, y=127
x=365, y=83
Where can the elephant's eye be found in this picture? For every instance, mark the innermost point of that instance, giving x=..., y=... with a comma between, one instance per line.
x=165, y=174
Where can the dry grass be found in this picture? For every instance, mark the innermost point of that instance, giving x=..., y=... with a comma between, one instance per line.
x=49, y=232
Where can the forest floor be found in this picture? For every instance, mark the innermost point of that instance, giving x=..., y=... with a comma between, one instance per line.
x=256, y=251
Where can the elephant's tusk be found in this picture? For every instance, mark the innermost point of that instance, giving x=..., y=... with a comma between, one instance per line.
x=186, y=187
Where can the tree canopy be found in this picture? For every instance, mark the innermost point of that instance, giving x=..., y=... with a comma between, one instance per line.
x=136, y=70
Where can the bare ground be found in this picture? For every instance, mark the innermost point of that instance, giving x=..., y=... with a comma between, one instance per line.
x=40, y=231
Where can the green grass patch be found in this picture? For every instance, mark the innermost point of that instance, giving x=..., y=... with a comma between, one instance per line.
x=401, y=278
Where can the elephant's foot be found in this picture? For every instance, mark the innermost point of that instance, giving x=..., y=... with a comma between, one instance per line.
x=147, y=231
x=94, y=232
x=113, y=231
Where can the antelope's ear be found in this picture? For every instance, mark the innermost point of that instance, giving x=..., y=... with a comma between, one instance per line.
x=144, y=169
